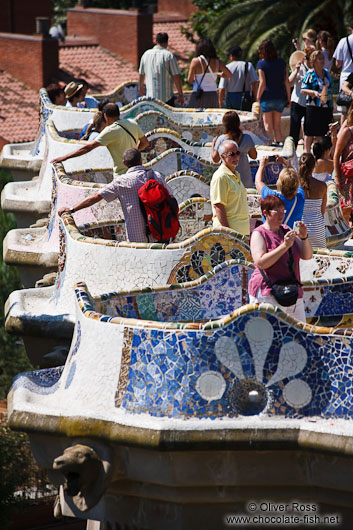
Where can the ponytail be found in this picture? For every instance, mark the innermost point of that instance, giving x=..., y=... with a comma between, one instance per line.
x=306, y=166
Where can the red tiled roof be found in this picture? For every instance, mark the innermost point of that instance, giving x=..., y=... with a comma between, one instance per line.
x=19, y=110
x=102, y=69
x=177, y=43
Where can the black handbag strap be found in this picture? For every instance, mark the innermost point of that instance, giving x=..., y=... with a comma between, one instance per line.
x=290, y=263
x=126, y=130
x=245, y=75
x=349, y=48
x=203, y=75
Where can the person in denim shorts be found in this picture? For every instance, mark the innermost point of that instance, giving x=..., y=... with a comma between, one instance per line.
x=274, y=91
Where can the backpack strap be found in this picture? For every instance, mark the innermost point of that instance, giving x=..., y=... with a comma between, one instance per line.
x=127, y=131
x=349, y=49
x=245, y=74
x=204, y=72
x=291, y=211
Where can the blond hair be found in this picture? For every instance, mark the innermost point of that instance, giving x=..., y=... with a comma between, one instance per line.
x=314, y=56
x=288, y=182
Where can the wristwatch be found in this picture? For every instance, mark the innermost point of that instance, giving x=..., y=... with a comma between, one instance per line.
x=304, y=238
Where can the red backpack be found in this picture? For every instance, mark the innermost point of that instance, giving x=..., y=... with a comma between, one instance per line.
x=160, y=211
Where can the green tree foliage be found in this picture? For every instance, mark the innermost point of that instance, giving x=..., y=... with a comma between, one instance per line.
x=13, y=359
x=247, y=23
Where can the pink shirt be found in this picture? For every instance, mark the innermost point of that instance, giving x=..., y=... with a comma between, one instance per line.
x=280, y=270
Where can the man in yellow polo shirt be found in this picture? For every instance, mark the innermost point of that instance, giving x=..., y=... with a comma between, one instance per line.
x=228, y=194
x=117, y=136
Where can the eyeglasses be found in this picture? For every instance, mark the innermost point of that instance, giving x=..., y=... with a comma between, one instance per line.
x=232, y=153
x=277, y=212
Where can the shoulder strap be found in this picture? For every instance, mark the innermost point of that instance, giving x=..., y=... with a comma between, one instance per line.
x=245, y=74
x=349, y=48
x=204, y=73
x=291, y=211
x=126, y=130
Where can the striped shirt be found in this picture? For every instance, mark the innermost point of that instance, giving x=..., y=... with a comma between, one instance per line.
x=159, y=66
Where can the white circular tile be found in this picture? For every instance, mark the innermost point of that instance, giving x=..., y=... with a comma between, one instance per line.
x=211, y=385
x=297, y=393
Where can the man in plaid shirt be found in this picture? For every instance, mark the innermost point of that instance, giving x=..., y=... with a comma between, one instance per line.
x=125, y=189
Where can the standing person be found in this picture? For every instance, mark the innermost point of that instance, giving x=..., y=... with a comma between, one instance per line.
x=269, y=245
x=344, y=153
x=343, y=56
x=246, y=146
x=315, y=201
x=308, y=37
x=288, y=189
x=274, y=91
x=117, y=136
x=232, y=88
x=160, y=69
x=126, y=190
x=298, y=100
x=317, y=88
x=323, y=162
x=325, y=44
x=203, y=74
x=227, y=193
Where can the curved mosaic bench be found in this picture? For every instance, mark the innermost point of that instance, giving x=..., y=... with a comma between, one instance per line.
x=194, y=393
x=35, y=250
x=123, y=94
x=163, y=139
x=198, y=132
x=255, y=347
x=33, y=312
x=30, y=200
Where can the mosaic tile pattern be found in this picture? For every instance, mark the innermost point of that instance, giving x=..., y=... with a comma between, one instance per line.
x=163, y=139
x=226, y=367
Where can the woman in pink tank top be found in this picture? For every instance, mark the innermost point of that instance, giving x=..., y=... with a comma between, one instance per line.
x=270, y=244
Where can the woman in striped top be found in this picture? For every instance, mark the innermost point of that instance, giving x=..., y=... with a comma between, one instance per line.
x=315, y=201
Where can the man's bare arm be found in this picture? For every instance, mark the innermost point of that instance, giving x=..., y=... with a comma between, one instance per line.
x=85, y=203
x=221, y=96
x=221, y=214
x=141, y=85
x=79, y=152
x=142, y=143
x=179, y=87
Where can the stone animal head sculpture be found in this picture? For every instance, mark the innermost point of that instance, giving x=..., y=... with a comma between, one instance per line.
x=85, y=473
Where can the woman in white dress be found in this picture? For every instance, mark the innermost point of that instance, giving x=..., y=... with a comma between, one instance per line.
x=315, y=201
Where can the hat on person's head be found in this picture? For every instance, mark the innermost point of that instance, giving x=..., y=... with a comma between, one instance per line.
x=235, y=51
x=71, y=89
x=295, y=58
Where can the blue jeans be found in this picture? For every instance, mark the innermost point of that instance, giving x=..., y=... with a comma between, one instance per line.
x=233, y=100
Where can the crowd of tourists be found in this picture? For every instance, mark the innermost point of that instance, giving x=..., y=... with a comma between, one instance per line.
x=293, y=213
